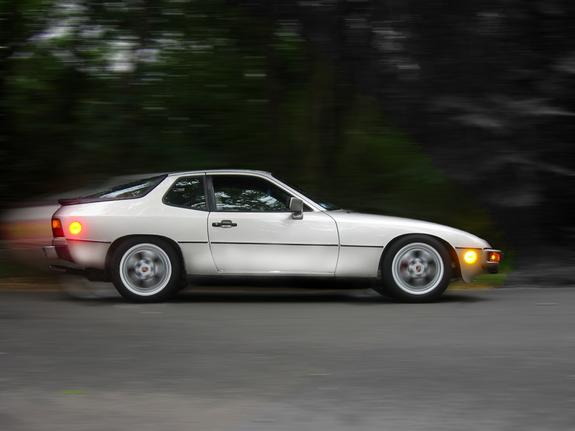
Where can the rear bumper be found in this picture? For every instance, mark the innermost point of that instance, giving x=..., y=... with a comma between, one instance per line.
x=83, y=258
x=50, y=252
x=89, y=273
x=58, y=250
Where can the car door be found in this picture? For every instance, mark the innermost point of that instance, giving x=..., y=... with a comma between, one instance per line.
x=251, y=230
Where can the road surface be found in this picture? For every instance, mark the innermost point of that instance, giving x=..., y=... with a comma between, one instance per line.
x=495, y=359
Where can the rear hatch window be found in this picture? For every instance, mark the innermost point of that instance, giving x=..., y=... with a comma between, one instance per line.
x=131, y=190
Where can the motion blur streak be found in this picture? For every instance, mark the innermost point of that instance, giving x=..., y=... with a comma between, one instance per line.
x=457, y=112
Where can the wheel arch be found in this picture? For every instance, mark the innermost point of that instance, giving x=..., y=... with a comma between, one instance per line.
x=448, y=247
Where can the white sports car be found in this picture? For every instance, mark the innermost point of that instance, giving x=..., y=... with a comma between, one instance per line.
x=149, y=236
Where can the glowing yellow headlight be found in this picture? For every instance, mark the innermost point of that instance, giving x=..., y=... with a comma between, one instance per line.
x=470, y=257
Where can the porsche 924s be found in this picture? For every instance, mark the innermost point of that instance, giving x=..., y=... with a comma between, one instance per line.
x=149, y=236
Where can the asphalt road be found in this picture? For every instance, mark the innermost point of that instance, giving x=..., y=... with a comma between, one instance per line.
x=278, y=360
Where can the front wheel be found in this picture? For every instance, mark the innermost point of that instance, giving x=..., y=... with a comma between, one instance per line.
x=416, y=269
x=146, y=270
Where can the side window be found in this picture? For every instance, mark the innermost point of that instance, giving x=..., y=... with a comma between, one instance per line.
x=187, y=192
x=248, y=194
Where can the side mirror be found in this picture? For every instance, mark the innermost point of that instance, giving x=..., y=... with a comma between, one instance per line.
x=296, y=207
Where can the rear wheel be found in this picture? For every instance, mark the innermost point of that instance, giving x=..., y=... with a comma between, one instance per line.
x=146, y=269
x=416, y=268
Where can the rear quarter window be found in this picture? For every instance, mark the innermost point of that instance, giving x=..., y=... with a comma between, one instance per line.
x=187, y=192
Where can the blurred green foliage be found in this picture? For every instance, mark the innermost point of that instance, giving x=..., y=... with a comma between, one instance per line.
x=93, y=89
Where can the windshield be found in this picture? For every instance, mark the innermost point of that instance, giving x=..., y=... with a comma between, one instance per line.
x=317, y=198
x=328, y=206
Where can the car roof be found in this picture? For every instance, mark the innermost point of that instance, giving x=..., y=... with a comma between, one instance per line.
x=221, y=171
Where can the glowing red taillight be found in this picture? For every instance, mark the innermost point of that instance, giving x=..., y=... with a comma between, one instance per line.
x=57, y=230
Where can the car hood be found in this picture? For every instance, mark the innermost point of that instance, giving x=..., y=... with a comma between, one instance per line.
x=372, y=229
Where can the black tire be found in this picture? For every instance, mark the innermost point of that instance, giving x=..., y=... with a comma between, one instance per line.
x=414, y=278
x=160, y=273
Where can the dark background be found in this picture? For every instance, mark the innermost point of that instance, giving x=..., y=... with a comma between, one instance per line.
x=460, y=112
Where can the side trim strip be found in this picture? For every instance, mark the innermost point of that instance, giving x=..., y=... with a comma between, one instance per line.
x=274, y=243
x=87, y=240
x=244, y=243
x=362, y=246
x=192, y=242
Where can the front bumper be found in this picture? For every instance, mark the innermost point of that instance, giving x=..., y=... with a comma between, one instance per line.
x=483, y=263
x=489, y=265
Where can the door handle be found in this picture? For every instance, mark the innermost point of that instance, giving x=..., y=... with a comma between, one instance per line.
x=224, y=223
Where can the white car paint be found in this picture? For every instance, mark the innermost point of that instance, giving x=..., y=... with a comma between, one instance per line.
x=274, y=243
x=340, y=243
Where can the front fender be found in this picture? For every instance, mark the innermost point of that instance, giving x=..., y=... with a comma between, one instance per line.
x=377, y=232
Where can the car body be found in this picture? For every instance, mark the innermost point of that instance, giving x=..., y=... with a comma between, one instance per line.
x=242, y=222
